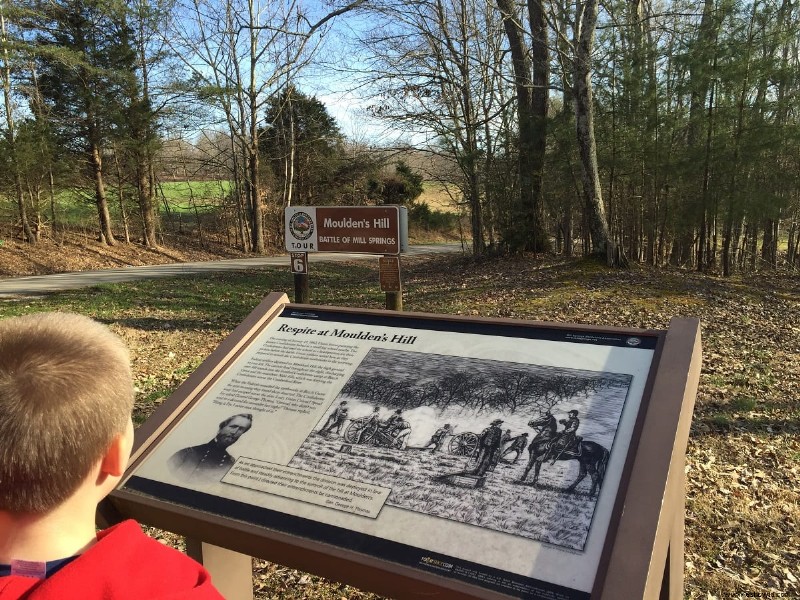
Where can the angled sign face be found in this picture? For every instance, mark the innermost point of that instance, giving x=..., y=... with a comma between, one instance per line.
x=480, y=456
x=353, y=229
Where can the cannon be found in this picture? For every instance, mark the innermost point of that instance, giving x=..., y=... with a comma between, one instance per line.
x=383, y=436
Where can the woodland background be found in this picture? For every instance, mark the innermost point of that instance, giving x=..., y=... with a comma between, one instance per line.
x=661, y=132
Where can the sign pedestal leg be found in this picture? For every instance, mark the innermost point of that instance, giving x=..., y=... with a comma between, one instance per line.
x=672, y=584
x=390, y=282
x=231, y=572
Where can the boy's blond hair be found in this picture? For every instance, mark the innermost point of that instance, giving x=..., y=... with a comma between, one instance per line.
x=66, y=391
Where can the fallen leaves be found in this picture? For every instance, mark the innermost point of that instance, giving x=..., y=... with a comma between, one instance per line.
x=743, y=457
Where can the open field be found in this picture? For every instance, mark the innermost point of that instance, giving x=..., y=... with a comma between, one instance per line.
x=184, y=196
x=743, y=471
x=435, y=195
x=77, y=206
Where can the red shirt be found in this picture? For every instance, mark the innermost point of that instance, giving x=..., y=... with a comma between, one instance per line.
x=124, y=564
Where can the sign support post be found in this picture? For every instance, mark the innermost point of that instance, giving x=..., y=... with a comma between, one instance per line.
x=357, y=229
x=394, y=301
x=301, y=291
x=299, y=263
x=231, y=572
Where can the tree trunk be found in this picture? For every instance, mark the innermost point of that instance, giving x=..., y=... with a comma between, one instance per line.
x=121, y=196
x=769, y=245
x=96, y=166
x=527, y=230
x=145, y=201
x=27, y=233
x=256, y=206
x=144, y=152
x=602, y=244
x=692, y=211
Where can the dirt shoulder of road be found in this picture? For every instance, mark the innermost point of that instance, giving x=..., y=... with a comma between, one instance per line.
x=75, y=251
x=72, y=251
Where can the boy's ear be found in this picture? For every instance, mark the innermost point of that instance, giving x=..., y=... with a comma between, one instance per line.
x=115, y=461
x=118, y=453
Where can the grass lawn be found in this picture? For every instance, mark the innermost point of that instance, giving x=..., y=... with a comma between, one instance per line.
x=205, y=194
x=743, y=459
x=77, y=206
x=435, y=195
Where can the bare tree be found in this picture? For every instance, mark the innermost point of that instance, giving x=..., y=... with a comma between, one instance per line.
x=602, y=244
x=240, y=52
x=531, y=74
x=438, y=69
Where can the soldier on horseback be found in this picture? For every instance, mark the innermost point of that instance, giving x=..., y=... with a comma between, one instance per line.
x=550, y=444
x=567, y=440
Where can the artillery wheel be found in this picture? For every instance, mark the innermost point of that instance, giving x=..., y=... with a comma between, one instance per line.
x=353, y=432
x=463, y=444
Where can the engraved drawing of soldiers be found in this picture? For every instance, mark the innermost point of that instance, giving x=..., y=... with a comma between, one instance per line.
x=517, y=445
x=395, y=421
x=370, y=427
x=437, y=439
x=209, y=462
x=336, y=418
x=567, y=439
x=506, y=437
x=489, y=448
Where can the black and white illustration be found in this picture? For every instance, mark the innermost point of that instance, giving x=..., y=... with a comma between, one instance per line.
x=516, y=448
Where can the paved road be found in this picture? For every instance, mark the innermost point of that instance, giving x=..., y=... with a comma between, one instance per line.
x=45, y=284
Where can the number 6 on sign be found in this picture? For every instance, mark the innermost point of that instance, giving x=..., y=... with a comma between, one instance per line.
x=299, y=261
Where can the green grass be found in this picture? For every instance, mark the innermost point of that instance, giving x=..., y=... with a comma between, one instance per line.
x=77, y=207
x=219, y=300
x=206, y=194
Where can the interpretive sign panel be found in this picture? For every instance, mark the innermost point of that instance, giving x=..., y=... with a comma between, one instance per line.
x=483, y=456
x=357, y=229
x=389, y=273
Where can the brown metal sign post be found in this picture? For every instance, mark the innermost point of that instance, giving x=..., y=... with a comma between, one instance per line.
x=410, y=454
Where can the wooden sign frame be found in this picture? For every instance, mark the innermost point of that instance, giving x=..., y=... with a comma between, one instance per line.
x=642, y=550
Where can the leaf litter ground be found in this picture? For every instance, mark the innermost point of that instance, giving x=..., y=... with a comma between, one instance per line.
x=743, y=458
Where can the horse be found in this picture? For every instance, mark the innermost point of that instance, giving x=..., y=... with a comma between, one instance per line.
x=592, y=457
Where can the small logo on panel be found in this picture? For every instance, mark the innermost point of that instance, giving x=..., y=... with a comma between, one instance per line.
x=301, y=225
x=633, y=341
x=436, y=563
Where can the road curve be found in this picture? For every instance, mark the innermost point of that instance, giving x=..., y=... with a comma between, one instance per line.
x=38, y=285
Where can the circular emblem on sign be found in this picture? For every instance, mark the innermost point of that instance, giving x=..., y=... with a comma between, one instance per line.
x=633, y=341
x=301, y=225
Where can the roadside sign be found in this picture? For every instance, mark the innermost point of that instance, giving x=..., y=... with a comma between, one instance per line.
x=356, y=229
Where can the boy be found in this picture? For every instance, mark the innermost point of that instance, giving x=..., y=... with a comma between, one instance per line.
x=66, y=395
